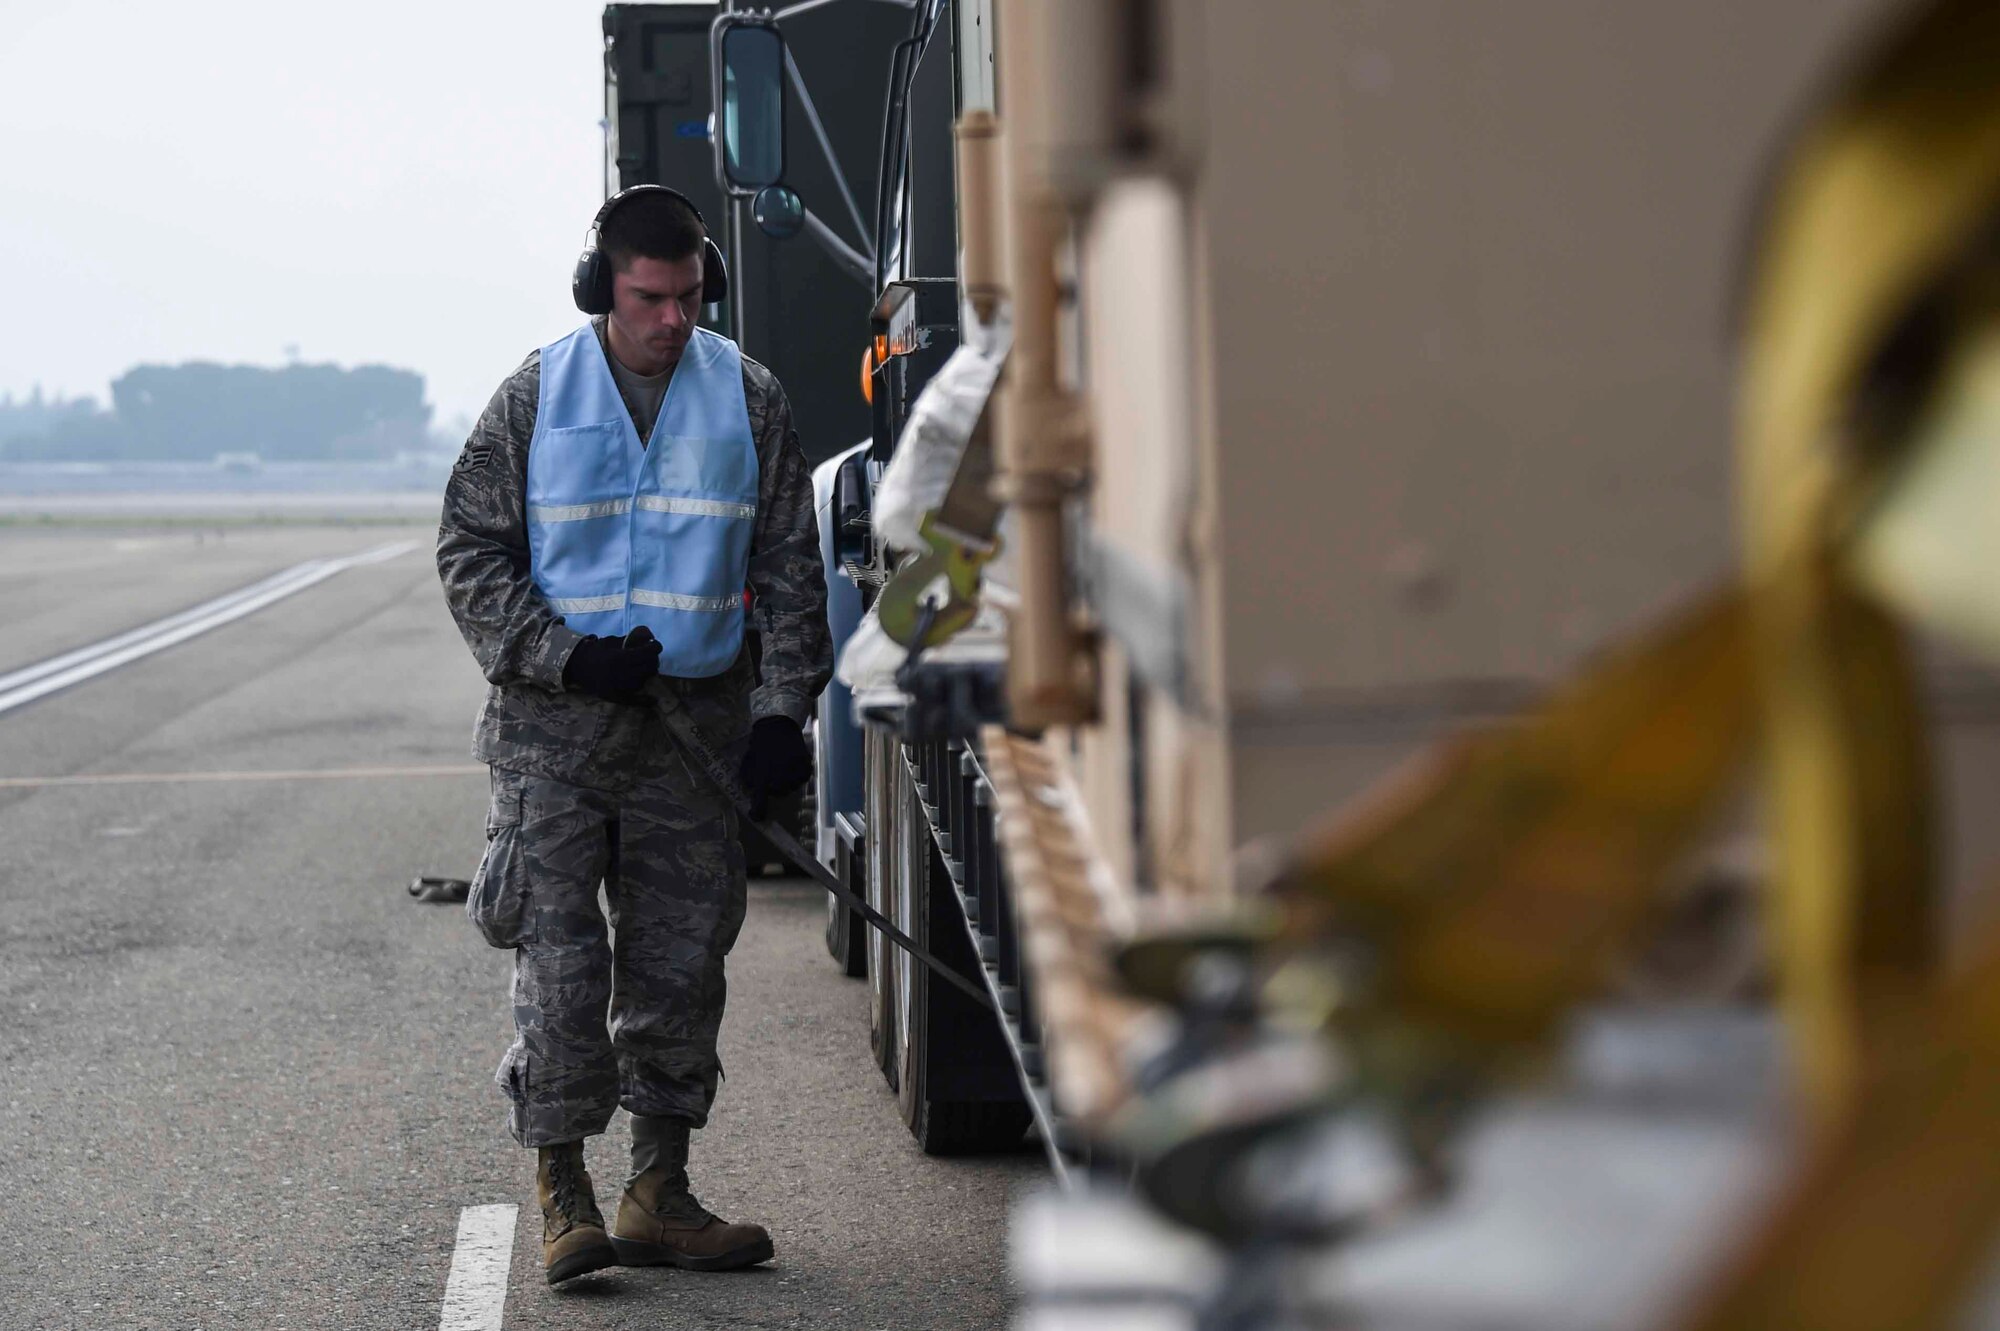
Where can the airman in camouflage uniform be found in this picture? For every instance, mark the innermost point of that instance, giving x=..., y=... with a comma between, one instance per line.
x=587, y=790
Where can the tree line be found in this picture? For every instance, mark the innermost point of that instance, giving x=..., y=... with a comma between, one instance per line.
x=195, y=411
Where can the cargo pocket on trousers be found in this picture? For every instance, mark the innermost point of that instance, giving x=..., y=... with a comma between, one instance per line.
x=512, y=1077
x=498, y=901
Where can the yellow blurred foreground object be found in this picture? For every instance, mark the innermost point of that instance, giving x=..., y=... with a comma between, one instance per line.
x=1497, y=880
x=1888, y=193
x=1871, y=459
x=1929, y=542
x=1895, y=1215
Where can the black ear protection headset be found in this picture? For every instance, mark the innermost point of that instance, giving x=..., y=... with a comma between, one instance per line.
x=591, y=285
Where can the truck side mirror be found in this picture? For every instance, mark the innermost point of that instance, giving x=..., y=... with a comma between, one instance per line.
x=749, y=55
x=778, y=212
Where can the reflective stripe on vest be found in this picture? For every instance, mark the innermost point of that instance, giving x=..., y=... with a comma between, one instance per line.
x=621, y=535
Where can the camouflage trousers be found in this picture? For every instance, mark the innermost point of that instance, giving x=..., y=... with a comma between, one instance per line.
x=666, y=853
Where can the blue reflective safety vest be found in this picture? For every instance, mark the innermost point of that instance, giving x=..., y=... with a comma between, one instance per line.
x=621, y=535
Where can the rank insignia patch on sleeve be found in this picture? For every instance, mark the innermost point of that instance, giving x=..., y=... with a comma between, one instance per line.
x=474, y=458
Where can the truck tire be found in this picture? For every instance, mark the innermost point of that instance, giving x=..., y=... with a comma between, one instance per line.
x=846, y=933
x=882, y=1018
x=882, y=759
x=956, y=1086
x=975, y=1127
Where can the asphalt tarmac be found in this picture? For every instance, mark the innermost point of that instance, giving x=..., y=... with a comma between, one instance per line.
x=245, y=1080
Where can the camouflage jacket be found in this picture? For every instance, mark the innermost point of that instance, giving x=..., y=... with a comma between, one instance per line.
x=530, y=723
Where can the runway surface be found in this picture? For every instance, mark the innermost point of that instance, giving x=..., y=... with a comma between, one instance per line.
x=247, y=1079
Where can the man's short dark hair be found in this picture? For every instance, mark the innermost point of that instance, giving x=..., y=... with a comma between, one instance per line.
x=650, y=226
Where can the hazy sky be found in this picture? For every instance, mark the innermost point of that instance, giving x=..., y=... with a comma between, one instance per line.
x=366, y=180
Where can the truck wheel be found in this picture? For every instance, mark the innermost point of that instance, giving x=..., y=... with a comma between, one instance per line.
x=971, y=1127
x=956, y=1087
x=845, y=932
x=882, y=1013
x=883, y=761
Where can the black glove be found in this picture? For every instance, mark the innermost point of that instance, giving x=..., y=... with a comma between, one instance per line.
x=613, y=668
x=778, y=760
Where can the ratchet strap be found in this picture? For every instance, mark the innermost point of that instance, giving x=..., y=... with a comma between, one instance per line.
x=717, y=769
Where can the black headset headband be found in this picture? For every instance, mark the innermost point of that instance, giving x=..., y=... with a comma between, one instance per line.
x=610, y=206
x=590, y=285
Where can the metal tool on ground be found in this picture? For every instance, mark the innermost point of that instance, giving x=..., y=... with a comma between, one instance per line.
x=446, y=890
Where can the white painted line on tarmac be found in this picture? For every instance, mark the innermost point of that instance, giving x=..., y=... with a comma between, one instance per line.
x=475, y=1293
x=21, y=687
x=57, y=664
x=300, y=774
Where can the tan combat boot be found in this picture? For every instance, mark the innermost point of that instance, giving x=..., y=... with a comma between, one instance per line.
x=573, y=1239
x=661, y=1224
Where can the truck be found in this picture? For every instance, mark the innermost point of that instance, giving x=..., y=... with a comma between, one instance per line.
x=1370, y=370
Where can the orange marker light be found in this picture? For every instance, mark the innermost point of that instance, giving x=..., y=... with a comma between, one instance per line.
x=868, y=375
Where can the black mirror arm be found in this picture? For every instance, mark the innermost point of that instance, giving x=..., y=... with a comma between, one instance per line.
x=798, y=83
x=859, y=266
